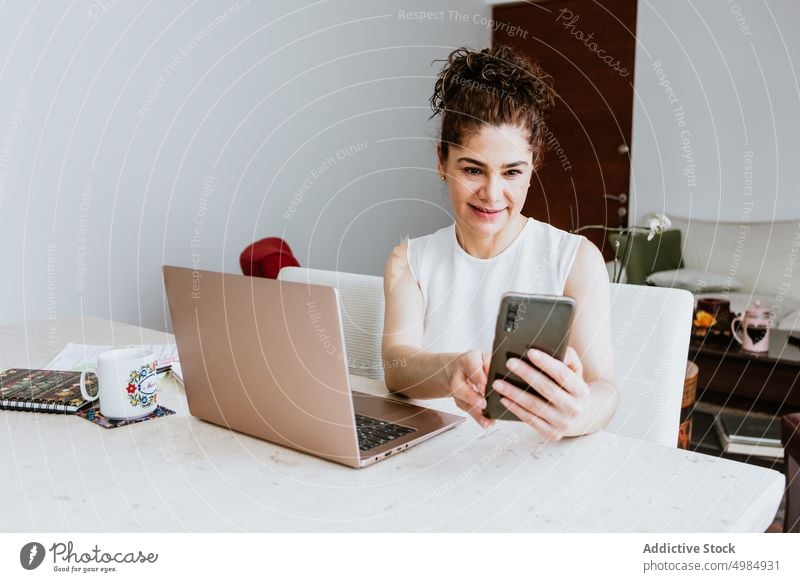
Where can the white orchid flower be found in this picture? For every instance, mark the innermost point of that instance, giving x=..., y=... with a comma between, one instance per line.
x=657, y=223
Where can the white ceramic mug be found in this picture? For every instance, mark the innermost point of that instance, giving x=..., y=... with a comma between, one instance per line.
x=127, y=382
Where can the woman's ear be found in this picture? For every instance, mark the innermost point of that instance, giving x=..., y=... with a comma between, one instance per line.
x=441, y=162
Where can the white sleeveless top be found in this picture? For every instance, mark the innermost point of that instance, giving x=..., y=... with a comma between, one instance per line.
x=462, y=293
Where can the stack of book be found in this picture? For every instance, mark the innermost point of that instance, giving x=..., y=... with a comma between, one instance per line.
x=750, y=434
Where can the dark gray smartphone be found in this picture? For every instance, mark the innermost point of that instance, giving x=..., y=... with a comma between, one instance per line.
x=526, y=321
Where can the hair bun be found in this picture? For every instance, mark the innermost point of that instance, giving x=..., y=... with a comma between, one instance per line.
x=493, y=86
x=498, y=68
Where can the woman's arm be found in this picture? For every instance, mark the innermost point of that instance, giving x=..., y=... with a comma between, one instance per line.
x=591, y=338
x=408, y=369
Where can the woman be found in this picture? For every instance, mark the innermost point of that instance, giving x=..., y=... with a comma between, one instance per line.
x=443, y=290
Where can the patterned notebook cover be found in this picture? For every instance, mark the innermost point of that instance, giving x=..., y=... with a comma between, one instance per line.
x=43, y=390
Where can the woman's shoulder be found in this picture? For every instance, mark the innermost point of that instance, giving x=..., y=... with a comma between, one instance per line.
x=439, y=233
x=587, y=265
x=553, y=232
x=419, y=242
x=436, y=238
x=430, y=249
x=554, y=240
x=410, y=251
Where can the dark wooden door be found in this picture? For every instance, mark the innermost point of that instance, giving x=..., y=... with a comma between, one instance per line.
x=588, y=48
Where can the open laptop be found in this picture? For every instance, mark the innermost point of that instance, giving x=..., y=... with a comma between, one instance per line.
x=267, y=358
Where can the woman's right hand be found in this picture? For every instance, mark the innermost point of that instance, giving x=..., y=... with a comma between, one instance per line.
x=467, y=375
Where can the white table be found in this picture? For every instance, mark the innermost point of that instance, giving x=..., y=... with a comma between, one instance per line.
x=63, y=473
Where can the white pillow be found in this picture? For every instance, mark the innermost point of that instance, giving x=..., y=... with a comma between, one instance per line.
x=694, y=280
x=790, y=321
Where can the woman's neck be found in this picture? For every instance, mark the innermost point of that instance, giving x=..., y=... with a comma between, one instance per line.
x=486, y=247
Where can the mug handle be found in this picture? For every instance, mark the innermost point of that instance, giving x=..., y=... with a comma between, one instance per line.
x=733, y=328
x=84, y=392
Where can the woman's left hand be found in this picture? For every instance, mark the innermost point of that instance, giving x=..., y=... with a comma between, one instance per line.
x=561, y=385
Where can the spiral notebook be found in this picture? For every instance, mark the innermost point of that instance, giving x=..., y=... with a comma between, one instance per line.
x=43, y=390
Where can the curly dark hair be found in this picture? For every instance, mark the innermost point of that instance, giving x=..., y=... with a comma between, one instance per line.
x=495, y=86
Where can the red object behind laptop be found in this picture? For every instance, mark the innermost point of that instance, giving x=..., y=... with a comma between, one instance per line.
x=266, y=257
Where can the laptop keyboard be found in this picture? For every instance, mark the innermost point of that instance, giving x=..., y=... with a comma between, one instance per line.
x=374, y=433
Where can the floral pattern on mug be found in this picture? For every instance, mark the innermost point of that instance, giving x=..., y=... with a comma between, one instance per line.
x=141, y=387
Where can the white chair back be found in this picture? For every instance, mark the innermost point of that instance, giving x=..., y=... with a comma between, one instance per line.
x=650, y=329
x=361, y=304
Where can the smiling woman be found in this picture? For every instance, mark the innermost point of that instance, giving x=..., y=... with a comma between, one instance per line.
x=443, y=290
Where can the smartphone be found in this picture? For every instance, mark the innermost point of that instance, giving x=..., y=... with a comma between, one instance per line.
x=526, y=321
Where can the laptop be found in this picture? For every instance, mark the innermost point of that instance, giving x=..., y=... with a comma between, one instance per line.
x=267, y=358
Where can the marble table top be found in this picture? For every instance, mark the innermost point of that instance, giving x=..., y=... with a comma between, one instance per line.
x=178, y=473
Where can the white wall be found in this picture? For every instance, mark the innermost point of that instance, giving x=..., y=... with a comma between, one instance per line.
x=732, y=66
x=124, y=124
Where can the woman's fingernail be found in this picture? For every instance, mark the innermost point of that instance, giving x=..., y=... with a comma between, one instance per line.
x=512, y=363
x=482, y=403
x=497, y=385
x=534, y=354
